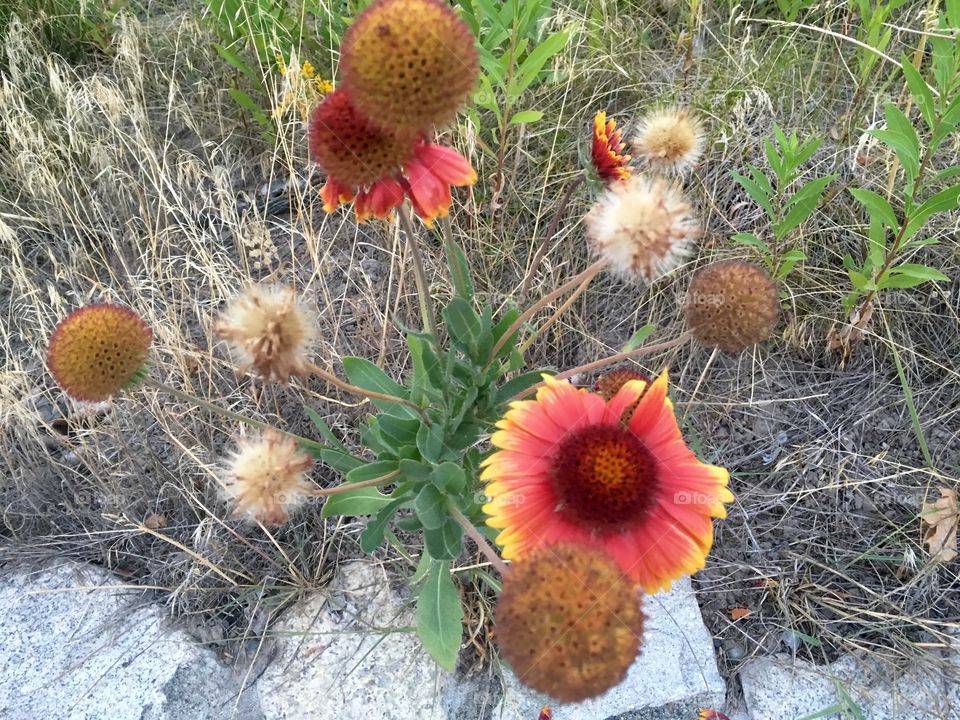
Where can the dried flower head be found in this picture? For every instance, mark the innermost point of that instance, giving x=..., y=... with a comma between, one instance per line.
x=351, y=148
x=732, y=305
x=409, y=64
x=609, y=384
x=568, y=621
x=98, y=350
x=266, y=478
x=643, y=226
x=270, y=330
x=670, y=141
x=606, y=152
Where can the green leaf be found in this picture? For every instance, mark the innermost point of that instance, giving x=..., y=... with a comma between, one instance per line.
x=340, y=460
x=756, y=192
x=943, y=201
x=372, y=535
x=746, y=238
x=368, y=376
x=231, y=57
x=802, y=204
x=859, y=280
x=440, y=616
x=431, y=507
x=902, y=137
x=427, y=373
x=430, y=442
x=517, y=385
x=459, y=268
x=250, y=105
x=876, y=206
x=414, y=471
x=535, y=61
x=444, y=542
x=921, y=272
x=463, y=324
x=877, y=244
x=362, y=501
x=526, y=116
x=638, y=337
x=323, y=428
x=919, y=89
x=371, y=471
x=449, y=478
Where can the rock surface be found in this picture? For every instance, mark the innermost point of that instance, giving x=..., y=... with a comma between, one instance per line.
x=349, y=651
x=78, y=646
x=780, y=687
x=676, y=668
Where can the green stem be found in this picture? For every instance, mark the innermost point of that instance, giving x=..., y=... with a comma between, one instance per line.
x=423, y=287
x=552, y=229
x=456, y=261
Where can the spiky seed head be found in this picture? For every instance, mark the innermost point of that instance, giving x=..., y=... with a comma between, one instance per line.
x=98, y=350
x=670, y=141
x=269, y=329
x=350, y=148
x=643, y=226
x=568, y=621
x=266, y=478
x=731, y=305
x=409, y=64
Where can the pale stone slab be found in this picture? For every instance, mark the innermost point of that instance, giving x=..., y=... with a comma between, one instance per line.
x=780, y=687
x=76, y=645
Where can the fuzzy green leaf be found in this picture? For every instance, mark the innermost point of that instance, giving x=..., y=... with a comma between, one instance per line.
x=440, y=616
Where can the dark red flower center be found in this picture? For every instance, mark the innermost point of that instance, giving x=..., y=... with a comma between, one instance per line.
x=605, y=478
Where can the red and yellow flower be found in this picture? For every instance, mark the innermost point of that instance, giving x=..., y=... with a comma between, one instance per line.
x=377, y=168
x=607, y=157
x=573, y=467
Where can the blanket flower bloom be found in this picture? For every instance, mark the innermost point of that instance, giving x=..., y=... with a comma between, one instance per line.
x=378, y=168
x=568, y=621
x=98, y=350
x=606, y=153
x=409, y=64
x=572, y=467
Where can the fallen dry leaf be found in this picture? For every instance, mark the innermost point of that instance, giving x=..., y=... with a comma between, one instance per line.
x=155, y=522
x=941, y=519
x=740, y=613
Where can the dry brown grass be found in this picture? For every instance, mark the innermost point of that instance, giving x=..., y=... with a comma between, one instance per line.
x=130, y=181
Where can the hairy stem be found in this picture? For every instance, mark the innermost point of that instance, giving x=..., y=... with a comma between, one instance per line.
x=590, y=272
x=525, y=345
x=356, y=390
x=347, y=487
x=470, y=529
x=613, y=359
x=423, y=287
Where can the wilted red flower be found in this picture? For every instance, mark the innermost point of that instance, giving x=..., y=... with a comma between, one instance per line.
x=606, y=155
x=98, y=350
x=377, y=168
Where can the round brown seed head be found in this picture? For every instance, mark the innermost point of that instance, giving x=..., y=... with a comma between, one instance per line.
x=409, y=64
x=568, y=621
x=731, y=305
x=97, y=350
